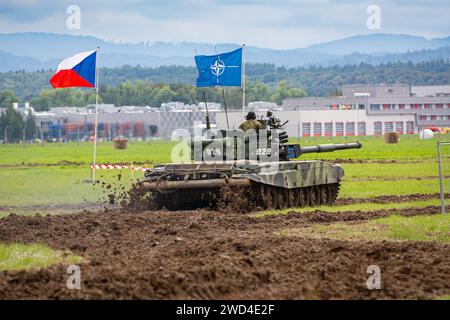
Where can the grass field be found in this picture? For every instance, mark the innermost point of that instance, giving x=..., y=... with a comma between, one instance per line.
x=54, y=174
x=18, y=256
x=393, y=228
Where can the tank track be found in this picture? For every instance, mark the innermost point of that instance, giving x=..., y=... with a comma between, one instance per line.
x=258, y=196
x=281, y=198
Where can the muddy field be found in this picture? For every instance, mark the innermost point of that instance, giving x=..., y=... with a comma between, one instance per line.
x=217, y=255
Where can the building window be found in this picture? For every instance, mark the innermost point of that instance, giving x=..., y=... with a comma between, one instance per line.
x=375, y=107
x=361, y=128
x=350, y=128
x=399, y=127
x=328, y=129
x=378, y=128
x=410, y=127
x=306, y=129
x=339, y=129
x=401, y=106
x=388, y=126
x=427, y=106
x=46, y=124
x=433, y=117
x=422, y=117
x=317, y=129
x=386, y=106
x=439, y=106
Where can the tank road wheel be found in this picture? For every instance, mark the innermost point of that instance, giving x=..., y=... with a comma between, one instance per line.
x=283, y=200
x=266, y=196
x=294, y=198
x=302, y=201
x=329, y=193
x=307, y=192
x=314, y=196
x=323, y=194
x=317, y=195
x=273, y=198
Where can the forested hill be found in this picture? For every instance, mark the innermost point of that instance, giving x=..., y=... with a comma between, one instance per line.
x=315, y=81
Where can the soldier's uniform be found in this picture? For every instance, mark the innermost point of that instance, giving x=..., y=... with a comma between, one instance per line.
x=251, y=124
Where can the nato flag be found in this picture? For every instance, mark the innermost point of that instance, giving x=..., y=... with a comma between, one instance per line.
x=223, y=70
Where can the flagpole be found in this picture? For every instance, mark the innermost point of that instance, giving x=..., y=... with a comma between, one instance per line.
x=96, y=116
x=243, y=82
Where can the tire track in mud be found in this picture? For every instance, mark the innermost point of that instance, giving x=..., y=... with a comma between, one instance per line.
x=382, y=161
x=390, y=199
x=207, y=254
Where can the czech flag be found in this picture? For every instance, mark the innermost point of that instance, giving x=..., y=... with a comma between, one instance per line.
x=76, y=71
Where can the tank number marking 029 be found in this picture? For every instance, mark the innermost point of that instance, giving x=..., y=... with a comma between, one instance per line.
x=263, y=151
x=213, y=152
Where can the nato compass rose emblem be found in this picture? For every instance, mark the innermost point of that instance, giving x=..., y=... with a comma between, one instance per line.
x=218, y=68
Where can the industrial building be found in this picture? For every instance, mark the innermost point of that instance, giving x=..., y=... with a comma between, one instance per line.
x=372, y=110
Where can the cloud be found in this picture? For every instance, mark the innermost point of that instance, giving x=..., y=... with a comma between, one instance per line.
x=266, y=23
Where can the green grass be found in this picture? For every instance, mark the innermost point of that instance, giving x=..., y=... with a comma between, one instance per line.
x=391, y=170
x=392, y=228
x=366, y=207
x=370, y=189
x=409, y=148
x=51, y=153
x=19, y=256
x=30, y=186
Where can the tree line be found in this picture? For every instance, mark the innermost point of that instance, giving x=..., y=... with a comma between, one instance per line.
x=147, y=93
x=177, y=82
x=14, y=127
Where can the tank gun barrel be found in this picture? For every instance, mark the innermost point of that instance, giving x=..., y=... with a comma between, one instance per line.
x=330, y=147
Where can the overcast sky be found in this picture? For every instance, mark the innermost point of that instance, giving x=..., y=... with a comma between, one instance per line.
x=265, y=23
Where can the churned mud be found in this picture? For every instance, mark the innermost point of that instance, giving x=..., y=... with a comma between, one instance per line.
x=390, y=199
x=220, y=255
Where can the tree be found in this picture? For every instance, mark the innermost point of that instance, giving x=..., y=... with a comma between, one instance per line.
x=10, y=121
x=30, y=126
x=7, y=99
x=283, y=91
x=11, y=125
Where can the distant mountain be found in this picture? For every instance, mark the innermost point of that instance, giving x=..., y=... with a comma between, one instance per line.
x=35, y=51
x=12, y=62
x=379, y=43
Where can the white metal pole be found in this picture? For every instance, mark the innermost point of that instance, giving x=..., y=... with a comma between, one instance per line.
x=243, y=82
x=441, y=184
x=96, y=115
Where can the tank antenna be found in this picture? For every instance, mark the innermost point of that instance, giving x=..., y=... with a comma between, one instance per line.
x=225, y=106
x=208, y=123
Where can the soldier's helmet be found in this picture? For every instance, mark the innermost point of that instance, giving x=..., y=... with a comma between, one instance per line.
x=250, y=116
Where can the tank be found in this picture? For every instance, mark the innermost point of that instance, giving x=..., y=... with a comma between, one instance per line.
x=267, y=174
